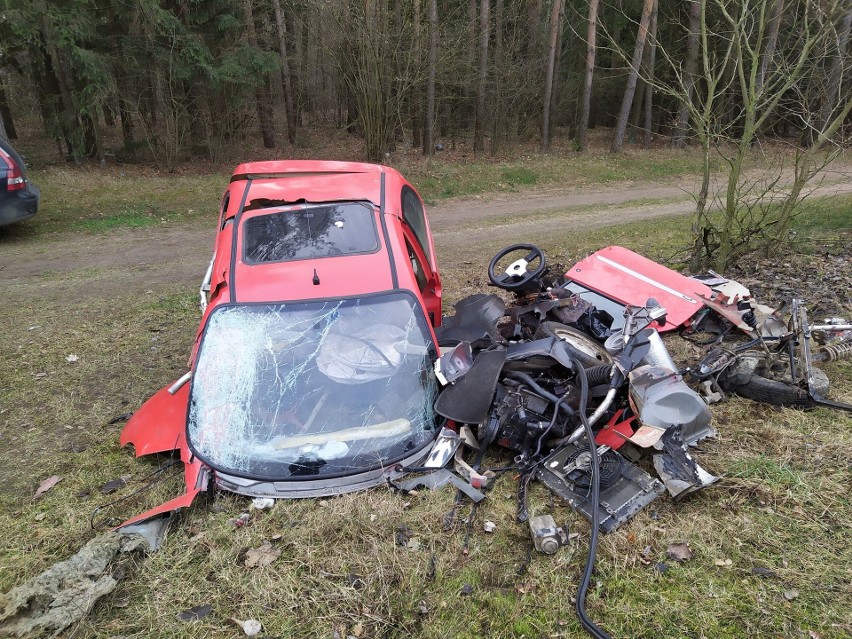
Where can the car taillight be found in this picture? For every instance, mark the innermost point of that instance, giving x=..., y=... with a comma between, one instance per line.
x=14, y=178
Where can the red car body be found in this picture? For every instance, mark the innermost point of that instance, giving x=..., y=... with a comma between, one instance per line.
x=374, y=247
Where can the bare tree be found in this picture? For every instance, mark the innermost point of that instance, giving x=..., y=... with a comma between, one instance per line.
x=774, y=27
x=432, y=63
x=690, y=69
x=264, y=100
x=735, y=38
x=555, y=16
x=591, y=48
x=286, y=80
x=649, y=88
x=630, y=89
x=484, y=36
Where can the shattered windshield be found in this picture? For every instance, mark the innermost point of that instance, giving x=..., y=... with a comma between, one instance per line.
x=284, y=391
x=310, y=231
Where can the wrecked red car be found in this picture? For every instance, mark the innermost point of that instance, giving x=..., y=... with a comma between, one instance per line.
x=311, y=372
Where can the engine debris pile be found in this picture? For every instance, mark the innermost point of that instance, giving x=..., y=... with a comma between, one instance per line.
x=573, y=374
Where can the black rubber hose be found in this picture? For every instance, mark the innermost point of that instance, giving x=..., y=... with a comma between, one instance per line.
x=587, y=623
x=549, y=426
x=598, y=375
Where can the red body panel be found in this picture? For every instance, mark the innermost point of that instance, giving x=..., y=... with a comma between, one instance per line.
x=159, y=425
x=195, y=481
x=627, y=277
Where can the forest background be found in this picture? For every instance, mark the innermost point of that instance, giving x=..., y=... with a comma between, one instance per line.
x=183, y=79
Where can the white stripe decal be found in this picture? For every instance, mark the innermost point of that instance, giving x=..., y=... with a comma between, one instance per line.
x=647, y=280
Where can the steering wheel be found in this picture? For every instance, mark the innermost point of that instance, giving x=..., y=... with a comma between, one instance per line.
x=517, y=277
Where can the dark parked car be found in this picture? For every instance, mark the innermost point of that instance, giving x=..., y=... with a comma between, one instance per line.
x=18, y=196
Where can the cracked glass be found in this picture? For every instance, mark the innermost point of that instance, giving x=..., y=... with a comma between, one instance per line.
x=310, y=231
x=328, y=388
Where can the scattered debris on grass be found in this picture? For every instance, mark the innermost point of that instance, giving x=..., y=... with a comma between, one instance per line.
x=195, y=613
x=63, y=594
x=261, y=556
x=46, y=485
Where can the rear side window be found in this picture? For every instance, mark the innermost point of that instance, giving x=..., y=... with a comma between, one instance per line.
x=310, y=231
x=412, y=213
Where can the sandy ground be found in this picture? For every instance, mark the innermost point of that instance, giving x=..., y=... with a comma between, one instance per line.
x=131, y=261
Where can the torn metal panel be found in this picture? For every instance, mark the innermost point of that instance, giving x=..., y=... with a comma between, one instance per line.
x=630, y=278
x=443, y=449
x=159, y=425
x=439, y=478
x=662, y=400
x=678, y=470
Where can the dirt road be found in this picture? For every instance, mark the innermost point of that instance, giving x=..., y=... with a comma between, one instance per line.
x=137, y=260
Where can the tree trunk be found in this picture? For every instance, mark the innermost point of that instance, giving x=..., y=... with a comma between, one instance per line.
x=429, y=128
x=649, y=85
x=829, y=103
x=3, y=135
x=497, y=119
x=534, y=9
x=771, y=42
x=264, y=100
x=286, y=84
x=641, y=36
x=417, y=96
x=586, y=100
x=398, y=132
x=6, y=115
x=690, y=69
x=548, y=78
x=293, y=27
x=484, y=36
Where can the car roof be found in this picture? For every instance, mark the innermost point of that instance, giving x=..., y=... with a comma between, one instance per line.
x=313, y=181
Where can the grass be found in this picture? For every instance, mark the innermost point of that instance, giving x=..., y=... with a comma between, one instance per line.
x=782, y=503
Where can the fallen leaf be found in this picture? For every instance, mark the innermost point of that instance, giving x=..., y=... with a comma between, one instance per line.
x=814, y=635
x=661, y=568
x=489, y=526
x=403, y=534
x=112, y=485
x=72, y=358
x=763, y=572
x=195, y=613
x=250, y=626
x=466, y=590
x=46, y=485
x=358, y=629
x=791, y=594
x=40, y=516
x=413, y=544
x=723, y=562
x=261, y=556
x=422, y=608
x=679, y=551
